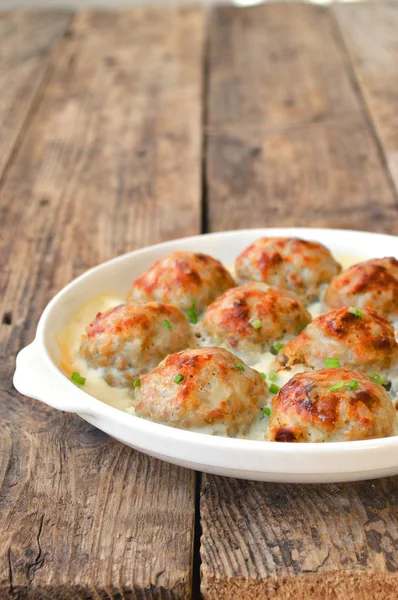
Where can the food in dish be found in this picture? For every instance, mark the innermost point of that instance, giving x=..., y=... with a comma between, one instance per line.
x=131, y=339
x=331, y=405
x=188, y=280
x=369, y=284
x=202, y=388
x=295, y=265
x=249, y=319
x=357, y=338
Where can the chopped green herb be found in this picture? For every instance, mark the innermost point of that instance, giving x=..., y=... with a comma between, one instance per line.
x=377, y=378
x=353, y=384
x=274, y=389
x=332, y=363
x=77, y=378
x=337, y=386
x=137, y=382
x=272, y=376
x=355, y=311
x=255, y=323
x=166, y=323
x=240, y=366
x=276, y=347
x=192, y=314
x=267, y=411
x=263, y=375
x=179, y=378
x=303, y=327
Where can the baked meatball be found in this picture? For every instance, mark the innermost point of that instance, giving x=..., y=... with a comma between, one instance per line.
x=333, y=405
x=182, y=278
x=360, y=339
x=298, y=266
x=202, y=387
x=373, y=283
x=250, y=318
x=128, y=340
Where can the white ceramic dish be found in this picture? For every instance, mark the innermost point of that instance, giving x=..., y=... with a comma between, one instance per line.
x=38, y=376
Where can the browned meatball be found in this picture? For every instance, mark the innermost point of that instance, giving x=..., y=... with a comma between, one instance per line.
x=128, y=340
x=373, y=283
x=359, y=339
x=298, y=266
x=333, y=405
x=182, y=278
x=200, y=388
x=250, y=318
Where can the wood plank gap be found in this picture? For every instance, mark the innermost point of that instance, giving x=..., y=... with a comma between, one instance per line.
x=205, y=118
x=35, y=103
x=349, y=65
x=197, y=559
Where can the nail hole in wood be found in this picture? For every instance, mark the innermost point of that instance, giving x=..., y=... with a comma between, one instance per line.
x=7, y=318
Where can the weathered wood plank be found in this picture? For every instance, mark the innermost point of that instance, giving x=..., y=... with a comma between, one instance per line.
x=370, y=33
x=292, y=146
x=110, y=161
x=313, y=160
x=26, y=40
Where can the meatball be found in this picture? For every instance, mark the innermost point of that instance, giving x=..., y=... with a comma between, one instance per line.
x=333, y=405
x=202, y=387
x=249, y=318
x=184, y=279
x=373, y=283
x=298, y=266
x=360, y=339
x=128, y=340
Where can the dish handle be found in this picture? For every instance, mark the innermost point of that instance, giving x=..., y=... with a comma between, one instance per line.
x=34, y=379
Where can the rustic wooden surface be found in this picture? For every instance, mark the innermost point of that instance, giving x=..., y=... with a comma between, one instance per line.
x=103, y=158
x=118, y=130
x=296, y=146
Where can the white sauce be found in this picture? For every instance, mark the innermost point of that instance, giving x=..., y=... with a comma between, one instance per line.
x=96, y=386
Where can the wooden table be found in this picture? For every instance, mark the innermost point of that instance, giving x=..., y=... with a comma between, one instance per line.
x=118, y=130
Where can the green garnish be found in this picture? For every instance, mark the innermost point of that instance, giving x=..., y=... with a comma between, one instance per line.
x=332, y=363
x=263, y=375
x=166, y=323
x=255, y=323
x=179, y=378
x=274, y=389
x=353, y=384
x=240, y=366
x=272, y=376
x=137, y=382
x=277, y=346
x=337, y=386
x=377, y=378
x=192, y=314
x=355, y=311
x=77, y=378
x=303, y=327
x=267, y=411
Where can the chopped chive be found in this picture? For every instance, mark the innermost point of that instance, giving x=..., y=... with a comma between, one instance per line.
x=302, y=328
x=274, y=389
x=179, y=378
x=276, y=347
x=263, y=375
x=267, y=411
x=240, y=366
x=192, y=314
x=137, y=382
x=166, y=323
x=355, y=311
x=353, y=384
x=255, y=323
x=332, y=363
x=272, y=376
x=377, y=378
x=337, y=386
x=77, y=378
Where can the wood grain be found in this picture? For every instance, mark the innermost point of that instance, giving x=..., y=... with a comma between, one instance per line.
x=26, y=40
x=107, y=164
x=370, y=34
x=292, y=146
x=266, y=540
